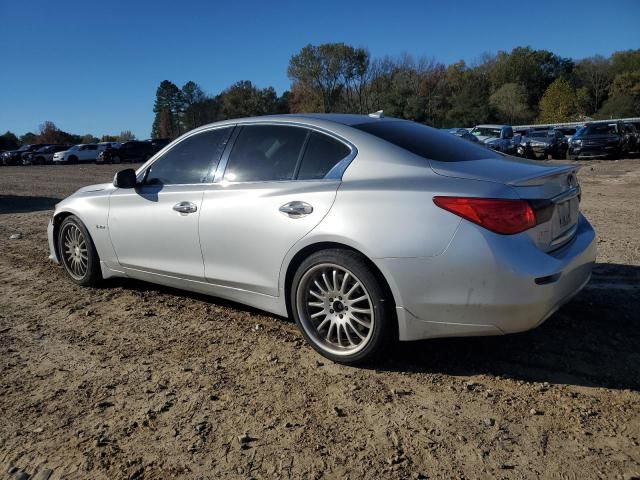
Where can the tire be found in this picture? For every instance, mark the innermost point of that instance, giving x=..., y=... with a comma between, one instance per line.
x=332, y=326
x=74, y=244
x=73, y=159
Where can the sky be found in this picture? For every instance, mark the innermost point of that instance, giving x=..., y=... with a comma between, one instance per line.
x=94, y=66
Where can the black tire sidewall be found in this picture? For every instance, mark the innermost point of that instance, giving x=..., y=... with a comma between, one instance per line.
x=93, y=274
x=383, y=331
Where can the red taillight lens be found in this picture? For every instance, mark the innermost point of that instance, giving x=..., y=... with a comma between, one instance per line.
x=501, y=216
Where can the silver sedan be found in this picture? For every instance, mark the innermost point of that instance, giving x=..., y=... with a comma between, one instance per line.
x=365, y=229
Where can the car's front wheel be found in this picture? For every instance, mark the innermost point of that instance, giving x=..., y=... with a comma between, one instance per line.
x=341, y=307
x=78, y=254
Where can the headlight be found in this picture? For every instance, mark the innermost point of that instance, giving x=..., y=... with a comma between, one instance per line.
x=576, y=142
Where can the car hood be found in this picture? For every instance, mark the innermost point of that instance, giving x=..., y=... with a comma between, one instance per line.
x=486, y=139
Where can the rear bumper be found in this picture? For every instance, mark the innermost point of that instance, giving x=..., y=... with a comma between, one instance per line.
x=485, y=284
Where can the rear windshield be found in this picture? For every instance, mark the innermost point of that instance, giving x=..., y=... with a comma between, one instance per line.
x=426, y=141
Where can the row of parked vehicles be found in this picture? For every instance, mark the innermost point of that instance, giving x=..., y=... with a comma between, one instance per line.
x=103, y=152
x=591, y=140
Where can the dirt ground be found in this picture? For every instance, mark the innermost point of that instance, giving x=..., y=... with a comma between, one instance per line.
x=135, y=381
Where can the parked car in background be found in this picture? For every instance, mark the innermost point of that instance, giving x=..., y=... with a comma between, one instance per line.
x=497, y=137
x=597, y=140
x=131, y=151
x=79, y=153
x=366, y=230
x=158, y=144
x=14, y=157
x=44, y=155
x=631, y=138
x=463, y=133
x=536, y=143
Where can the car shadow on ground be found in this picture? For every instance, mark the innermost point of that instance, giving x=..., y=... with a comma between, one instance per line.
x=591, y=341
x=25, y=204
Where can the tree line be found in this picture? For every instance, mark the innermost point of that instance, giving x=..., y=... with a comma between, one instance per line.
x=50, y=134
x=521, y=86
x=517, y=87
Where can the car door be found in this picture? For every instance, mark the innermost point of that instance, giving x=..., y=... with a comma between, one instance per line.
x=154, y=227
x=278, y=182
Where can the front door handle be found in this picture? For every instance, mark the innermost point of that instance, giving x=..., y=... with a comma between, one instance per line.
x=296, y=209
x=185, y=207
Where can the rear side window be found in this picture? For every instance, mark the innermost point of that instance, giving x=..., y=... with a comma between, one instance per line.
x=320, y=156
x=427, y=142
x=265, y=153
x=191, y=161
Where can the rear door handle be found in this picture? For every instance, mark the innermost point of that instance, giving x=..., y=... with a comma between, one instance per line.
x=185, y=207
x=296, y=209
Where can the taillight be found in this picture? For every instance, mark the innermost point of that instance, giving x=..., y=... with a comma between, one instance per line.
x=498, y=215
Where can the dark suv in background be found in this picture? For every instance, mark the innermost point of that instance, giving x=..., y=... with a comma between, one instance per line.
x=43, y=155
x=598, y=140
x=132, y=151
x=541, y=143
x=14, y=157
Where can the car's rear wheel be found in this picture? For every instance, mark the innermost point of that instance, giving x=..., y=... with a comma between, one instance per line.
x=78, y=254
x=341, y=307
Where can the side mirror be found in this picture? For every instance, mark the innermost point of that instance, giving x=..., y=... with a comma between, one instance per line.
x=125, y=179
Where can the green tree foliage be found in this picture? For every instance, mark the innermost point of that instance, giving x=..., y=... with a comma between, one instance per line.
x=625, y=61
x=168, y=110
x=28, y=138
x=534, y=69
x=88, y=138
x=510, y=103
x=559, y=103
x=594, y=74
x=9, y=141
x=469, y=96
x=331, y=70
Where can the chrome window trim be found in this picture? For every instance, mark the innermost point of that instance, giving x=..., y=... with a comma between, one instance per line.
x=142, y=171
x=334, y=174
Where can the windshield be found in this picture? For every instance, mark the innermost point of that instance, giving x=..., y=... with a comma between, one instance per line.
x=599, y=129
x=539, y=134
x=425, y=141
x=486, y=132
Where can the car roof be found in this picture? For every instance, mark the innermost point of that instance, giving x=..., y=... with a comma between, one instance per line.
x=491, y=125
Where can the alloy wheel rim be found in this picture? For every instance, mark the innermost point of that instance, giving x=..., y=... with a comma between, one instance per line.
x=74, y=254
x=335, y=309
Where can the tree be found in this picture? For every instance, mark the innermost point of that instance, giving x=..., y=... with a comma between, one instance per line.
x=9, y=141
x=510, y=101
x=534, y=69
x=328, y=70
x=109, y=138
x=28, y=138
x=594, y=74
x=194, y=105
x=469, y=96
x=88, y=138
x=126, y=135
x=625, y=61
x=558, y=104
x=618, y=106
x=168, y=110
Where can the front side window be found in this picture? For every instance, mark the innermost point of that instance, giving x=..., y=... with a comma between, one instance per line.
x=320, y=156
x=192, y=161
x=265, y=153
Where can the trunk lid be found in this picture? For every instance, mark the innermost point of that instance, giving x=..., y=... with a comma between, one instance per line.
x=551, y=189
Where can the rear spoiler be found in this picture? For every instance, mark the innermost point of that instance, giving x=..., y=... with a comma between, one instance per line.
x=538, y=179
